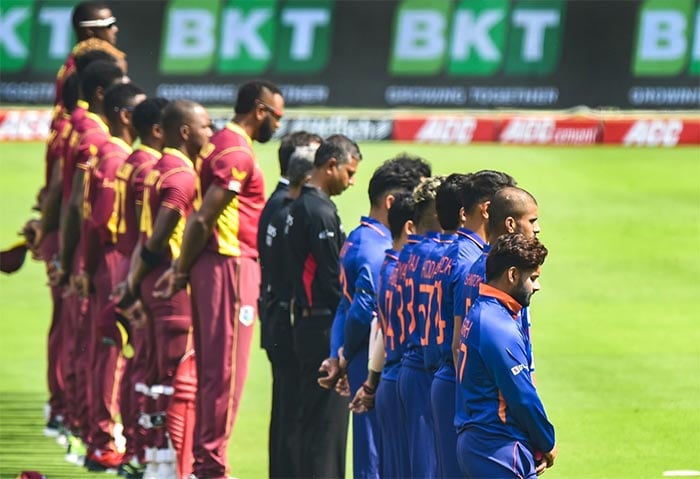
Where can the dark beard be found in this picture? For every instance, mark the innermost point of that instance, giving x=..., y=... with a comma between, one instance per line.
x=265, y=132
x=521, y=296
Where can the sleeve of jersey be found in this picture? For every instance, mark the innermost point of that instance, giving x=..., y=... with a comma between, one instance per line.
x=361, y=313
x=232, y=168
x=177, y=191
x=325, y=249
x=505, y=356
x=338, y=328
x=86, y=149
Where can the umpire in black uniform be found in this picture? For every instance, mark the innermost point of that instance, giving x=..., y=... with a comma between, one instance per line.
x=296, y=155
x=314, y=239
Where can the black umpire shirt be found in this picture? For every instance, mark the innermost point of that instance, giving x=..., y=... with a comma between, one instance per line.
x=314, y=238
x=273, y=204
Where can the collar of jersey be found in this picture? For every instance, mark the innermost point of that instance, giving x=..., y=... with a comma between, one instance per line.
x=236, y=128
x=392, y=253
x=179, y=154
x=151, y=151
x=82, y=104
x=507, y=300
x=475, y=238
x=124, y=145
x=97, y=119
x=375, y=225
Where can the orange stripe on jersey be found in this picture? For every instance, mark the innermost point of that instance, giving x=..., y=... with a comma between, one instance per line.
x=506, y=299
x=501, y=408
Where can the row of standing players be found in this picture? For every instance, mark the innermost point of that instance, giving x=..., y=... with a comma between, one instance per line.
x=97, y=190
x=390, y=302
x=151, y=253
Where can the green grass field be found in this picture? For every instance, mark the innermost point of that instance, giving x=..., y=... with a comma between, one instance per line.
x=615, y=327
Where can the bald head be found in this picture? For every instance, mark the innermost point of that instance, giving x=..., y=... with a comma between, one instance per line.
x=186, y=124
x=513, y=210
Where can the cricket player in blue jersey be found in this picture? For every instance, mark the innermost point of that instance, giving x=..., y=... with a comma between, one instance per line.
x=386, y=356
x=503, y=430
x=414, y=381
x=469, y=212
x=360, y=262
x=512, y=210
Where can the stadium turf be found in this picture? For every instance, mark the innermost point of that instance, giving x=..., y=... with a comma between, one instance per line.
x=615, y=330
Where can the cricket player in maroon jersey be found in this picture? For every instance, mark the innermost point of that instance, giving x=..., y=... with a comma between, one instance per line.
x=219, y=259
x=89, y=130
x=169, y=195
x=126, y=216
x=104, y=266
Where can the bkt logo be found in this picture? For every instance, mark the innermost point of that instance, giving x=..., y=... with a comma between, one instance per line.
x=668, y=38
x=477, y=37
x=243, y=37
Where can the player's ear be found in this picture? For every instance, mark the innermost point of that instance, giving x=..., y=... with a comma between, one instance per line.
x=513, y=275
x=409, y=227
x=157, y=131
x=462, y=215
x=510, y=224
x=99, y=94
x=185, y=132
x=330, y=165
x=388, y=201
x=484, y=209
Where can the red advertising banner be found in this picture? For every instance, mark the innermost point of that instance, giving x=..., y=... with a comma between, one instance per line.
x=543, y=130
x=651, y=131
x=445, y=129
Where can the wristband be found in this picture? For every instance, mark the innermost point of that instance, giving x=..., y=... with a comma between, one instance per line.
x=368, y=389
x=149, y=257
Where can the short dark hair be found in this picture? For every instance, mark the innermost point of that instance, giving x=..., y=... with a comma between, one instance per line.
x=402, y=172
x=288, y=144
x=448, y=200
x=82, y=61
x=301, y=162
x=339, y=147
x=118, y=97
x=517, y=250
x=401, y=211
x=70, y=92
x=85, y=11
x=424, y=197
x=175, y=114
x=146, y=114
x=482, y=185
x=508, y=201
x=99, y=73
x=249, y=92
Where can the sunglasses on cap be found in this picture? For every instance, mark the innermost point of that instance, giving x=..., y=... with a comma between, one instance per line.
x=108, y=22
x=277, y=115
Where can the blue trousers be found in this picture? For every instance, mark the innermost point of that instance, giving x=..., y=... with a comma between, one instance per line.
x=483, y=456
x=414, y=394
x=365, y=427
x=442, y=402
x=395, y=458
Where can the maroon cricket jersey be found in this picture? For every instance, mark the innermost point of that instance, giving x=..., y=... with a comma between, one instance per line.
x=98, y=200
x=171, y=183
x=55, y=146
x=129, y=188
x=88, y=132
x=229, y=163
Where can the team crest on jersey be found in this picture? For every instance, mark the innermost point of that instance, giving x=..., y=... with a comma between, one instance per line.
x=238, y=174
x=247, y=315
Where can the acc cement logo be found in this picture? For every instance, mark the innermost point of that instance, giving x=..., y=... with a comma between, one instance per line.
x=243, y=37
x=477, y=37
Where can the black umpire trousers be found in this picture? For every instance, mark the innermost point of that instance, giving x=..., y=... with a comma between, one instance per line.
x=284, y=447
x=323, y=414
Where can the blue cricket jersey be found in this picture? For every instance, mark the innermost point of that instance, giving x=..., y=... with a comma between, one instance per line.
x=360, y=262
x=413, y=310
x=462, y=253
x=496, y=393
x=430, y=298
x=387, y=284
x=393, y=302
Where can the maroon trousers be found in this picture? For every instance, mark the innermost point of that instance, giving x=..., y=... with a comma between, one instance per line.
x=172, y=331
x=107, y=363
x=224, y=305
x=54, y=369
